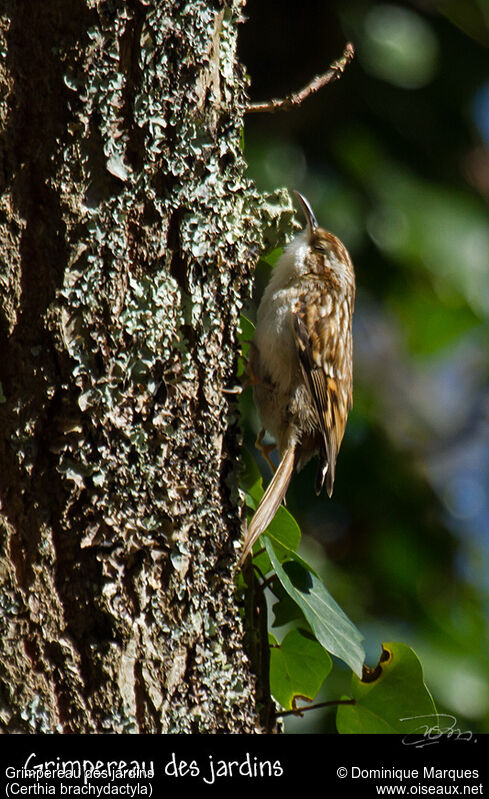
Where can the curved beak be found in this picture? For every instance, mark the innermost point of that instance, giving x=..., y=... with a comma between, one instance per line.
x=308, y=213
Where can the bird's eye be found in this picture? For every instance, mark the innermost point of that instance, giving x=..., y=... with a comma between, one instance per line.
x=321, y=247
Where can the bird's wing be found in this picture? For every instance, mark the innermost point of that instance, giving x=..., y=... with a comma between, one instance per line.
x=324, y=348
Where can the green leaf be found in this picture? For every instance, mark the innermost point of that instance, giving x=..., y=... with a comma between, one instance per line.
x=272, y=257
x=396, y=700
x=283, y=529
x=254, y=490
x=285, y=610
x=331, y=626
x=298, y=668
x=245, y=335
x=250, y=477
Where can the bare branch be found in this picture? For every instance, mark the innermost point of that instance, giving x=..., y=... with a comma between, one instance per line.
x=296, y=99
x=298, y=711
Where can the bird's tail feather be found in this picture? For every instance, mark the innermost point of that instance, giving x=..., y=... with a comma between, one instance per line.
x=270, y=502
x=321, y=473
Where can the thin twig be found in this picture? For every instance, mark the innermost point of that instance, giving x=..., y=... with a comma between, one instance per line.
x=299, y=710
x=270, y=581
x=296, y=99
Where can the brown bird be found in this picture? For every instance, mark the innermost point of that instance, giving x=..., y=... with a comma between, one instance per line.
x=301, y=361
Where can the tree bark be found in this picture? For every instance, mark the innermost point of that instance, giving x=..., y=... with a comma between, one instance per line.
x=128, y=234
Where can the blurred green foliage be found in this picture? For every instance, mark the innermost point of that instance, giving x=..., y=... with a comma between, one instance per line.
x=394, y=159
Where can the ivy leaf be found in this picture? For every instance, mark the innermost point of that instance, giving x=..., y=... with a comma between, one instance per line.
x=250, y=478
x=285, y=610
x=272, y=257
x=331, y=626
x=246, y=332
x=254, y=492
x=283, y=529
x=393, y=699
x=298, y=668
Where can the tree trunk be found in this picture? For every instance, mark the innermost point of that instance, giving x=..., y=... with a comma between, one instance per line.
x=128, y=234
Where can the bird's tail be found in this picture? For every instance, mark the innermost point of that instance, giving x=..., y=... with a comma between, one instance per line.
x=325, y=471
x=270, y=502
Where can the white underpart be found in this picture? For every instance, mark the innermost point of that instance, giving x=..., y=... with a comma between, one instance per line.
x=273, y=335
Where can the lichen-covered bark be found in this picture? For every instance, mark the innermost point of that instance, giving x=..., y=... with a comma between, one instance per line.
x=127, y=237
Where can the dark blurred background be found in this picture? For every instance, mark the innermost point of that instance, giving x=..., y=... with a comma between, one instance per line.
x=394, y=159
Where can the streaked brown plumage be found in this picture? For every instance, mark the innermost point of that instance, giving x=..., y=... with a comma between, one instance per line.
x=301, y=361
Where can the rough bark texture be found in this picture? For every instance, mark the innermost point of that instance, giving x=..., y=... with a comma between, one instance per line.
x=127, y=237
